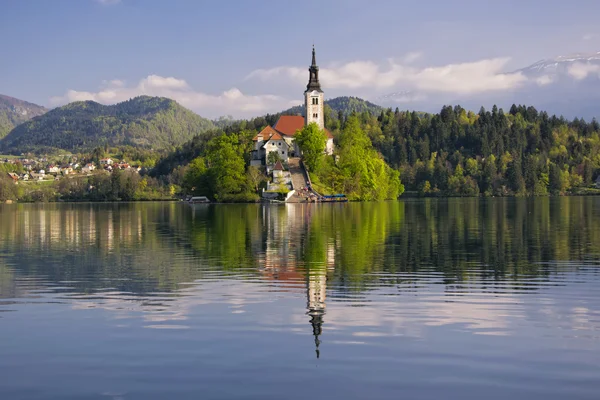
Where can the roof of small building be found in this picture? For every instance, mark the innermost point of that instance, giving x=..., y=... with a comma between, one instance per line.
x=278, y=166
x=276, y=136
x=267, y=132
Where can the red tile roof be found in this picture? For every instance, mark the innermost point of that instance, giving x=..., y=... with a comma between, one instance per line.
x=278, y=166
x=289, y=124
x=276, y=136
x=265, y=133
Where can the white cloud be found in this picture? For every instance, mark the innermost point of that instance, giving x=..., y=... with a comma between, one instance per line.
x=232, y=101
x=544, y=80
x=580, y=71
x=589, y=36
x=465, y=78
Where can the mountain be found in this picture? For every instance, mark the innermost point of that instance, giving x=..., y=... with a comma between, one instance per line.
x=564, y=85
x=345, y=104
x=14, y=112
x=148, y=122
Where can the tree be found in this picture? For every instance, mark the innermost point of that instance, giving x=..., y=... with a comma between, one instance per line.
x=195, y=179
x=255, y=177
x=515, y=177
x=8, y=189
x=555, y=185
x=273, y=157
x=312, y=142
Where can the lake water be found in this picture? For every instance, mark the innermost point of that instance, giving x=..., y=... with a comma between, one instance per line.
x=416, y=299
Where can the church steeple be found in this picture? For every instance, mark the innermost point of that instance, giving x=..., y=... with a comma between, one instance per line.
x=313, y=96
x=313, y=74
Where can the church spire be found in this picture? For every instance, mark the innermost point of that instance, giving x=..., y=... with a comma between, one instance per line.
x=313, y=75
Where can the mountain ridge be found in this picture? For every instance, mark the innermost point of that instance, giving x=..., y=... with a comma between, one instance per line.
x=144, y=121
x=15, y=111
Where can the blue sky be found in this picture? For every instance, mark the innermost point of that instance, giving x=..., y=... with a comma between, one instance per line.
x=245, y=58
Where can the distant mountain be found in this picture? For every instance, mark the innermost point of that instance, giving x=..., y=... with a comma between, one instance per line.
x=148, y=122
x=564, y=85
x=14, y=112
x=345, y=104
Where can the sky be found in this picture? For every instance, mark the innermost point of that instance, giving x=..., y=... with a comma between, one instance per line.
x=247, y=58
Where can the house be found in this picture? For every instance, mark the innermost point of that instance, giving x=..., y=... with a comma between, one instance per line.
x=35, y=176
x=269, y=141
x=13, y=176
x=25, y=177
x=106, y=161
x=88, y=168
x=278, y=170
x=53, y=169
x=276, y=137
x=67, y=170
x=42, y=172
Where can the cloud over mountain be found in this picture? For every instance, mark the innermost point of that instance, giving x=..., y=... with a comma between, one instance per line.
x=231, y=101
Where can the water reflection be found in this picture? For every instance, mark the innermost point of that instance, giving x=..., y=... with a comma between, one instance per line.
x=443, y=273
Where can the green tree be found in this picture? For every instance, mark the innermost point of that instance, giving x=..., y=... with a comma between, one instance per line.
x=311, y=141
x=273, y=157
x=8, y=189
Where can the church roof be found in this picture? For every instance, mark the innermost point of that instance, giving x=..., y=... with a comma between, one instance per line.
x=289, y=124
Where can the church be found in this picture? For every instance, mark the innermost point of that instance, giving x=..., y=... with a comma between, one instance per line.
x=280, y=137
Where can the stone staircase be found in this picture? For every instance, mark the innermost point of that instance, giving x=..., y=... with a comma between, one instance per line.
x=299, y=180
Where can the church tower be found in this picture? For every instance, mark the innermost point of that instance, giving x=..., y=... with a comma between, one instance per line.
x=313, y=96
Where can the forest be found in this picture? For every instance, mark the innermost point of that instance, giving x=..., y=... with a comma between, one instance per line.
x=491, y=153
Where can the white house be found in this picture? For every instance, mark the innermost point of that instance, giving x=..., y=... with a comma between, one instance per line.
x=87, y=168
x=106, y=161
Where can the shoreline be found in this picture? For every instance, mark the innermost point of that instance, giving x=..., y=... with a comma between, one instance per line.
x=410, y=196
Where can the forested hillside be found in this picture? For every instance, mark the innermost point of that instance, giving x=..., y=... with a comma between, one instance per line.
x=146, y=122
x=14, y=112
x=455, y=152
x=344, y=104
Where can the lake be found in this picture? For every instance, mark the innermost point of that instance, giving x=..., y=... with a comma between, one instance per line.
x=415, y=299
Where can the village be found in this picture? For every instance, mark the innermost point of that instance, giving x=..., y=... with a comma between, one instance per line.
x=44, y=169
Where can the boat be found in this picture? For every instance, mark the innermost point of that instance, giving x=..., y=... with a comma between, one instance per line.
x=198, y=200
x=336, y=198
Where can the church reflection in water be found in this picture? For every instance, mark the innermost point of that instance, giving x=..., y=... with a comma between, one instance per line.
x=290, y=256
x=316, y=293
